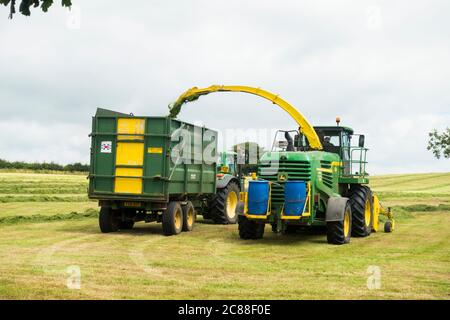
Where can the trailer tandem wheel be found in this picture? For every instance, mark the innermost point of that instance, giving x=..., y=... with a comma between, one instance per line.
x=172, y=220
x=108, y=220
x=189, y=216
x=126, y=225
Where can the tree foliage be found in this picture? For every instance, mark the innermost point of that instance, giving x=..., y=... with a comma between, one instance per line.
x=25, y=5
x=439, y=143
x=72, y=167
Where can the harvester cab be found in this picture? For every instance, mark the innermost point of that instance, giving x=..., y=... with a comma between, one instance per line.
x=317, y=178
x=339, y=140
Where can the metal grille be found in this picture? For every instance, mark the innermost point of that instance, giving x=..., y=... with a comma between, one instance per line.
x=327, y=177
x=295, y=170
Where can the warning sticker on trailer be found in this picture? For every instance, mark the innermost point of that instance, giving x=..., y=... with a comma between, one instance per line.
x=106, y=147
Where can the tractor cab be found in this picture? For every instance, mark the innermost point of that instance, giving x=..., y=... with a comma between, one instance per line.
x=227, y=163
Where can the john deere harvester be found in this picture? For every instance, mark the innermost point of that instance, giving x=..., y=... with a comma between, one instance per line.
x=316, y=178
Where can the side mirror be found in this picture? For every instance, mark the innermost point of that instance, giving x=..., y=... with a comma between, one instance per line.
x=361, y=141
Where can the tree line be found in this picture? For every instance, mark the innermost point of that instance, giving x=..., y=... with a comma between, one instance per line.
x=72, y=167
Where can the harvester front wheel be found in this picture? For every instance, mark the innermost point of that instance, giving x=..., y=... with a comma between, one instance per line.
x=338, y=232
x=189, y=216
x=249, y=229
x=172, y=220
x=223, y=205
x=362, y=210
x=108, y=220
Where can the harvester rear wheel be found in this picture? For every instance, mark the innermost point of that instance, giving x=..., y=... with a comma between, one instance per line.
x=362, y=210
x=224, y=203
x=249, y=229
x=189, y=216
x=172, y=220
x=108, y=220
x=338, y=232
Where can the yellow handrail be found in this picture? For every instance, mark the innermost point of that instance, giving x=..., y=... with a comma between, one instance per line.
x=304, y=126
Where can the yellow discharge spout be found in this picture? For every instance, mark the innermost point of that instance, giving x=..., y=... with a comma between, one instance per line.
x=304, y=126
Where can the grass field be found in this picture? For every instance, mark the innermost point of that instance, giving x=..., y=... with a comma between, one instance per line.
x=47, y=225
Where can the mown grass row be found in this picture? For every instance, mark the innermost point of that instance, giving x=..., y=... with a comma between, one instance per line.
x=408, y=195
x=43, y=198
x=47, y=182
x=36, y=218
x=37, y=190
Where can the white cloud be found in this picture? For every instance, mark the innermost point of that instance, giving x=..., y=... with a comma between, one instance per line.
x=38, y=141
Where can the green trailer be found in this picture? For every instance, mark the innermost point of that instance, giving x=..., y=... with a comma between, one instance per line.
x=150, y=169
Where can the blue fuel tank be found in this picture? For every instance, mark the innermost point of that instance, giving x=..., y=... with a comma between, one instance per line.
x=294, y=197
x=258, y=197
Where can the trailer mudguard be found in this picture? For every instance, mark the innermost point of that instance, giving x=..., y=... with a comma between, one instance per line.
x=335, y=209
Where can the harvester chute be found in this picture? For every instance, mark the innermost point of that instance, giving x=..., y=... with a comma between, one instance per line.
x=304, y=126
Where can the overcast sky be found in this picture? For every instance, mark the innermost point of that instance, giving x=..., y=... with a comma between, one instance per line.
x=383, y=66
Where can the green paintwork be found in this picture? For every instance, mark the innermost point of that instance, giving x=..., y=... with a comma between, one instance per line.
x=315, y=167
x=353, y=180
x=303, y=166
x=162, y=178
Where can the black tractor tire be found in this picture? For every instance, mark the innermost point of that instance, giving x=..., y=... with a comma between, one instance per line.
x=189, y=216
x=388, y=226
x=126, y=225
x=361, y=201
x=249, y=229
x=108, y=220
x=223, y=204
x=339, y=232
x=172, y=220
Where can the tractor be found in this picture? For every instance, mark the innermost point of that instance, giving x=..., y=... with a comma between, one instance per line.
x=221, y=206
x=317, y=178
